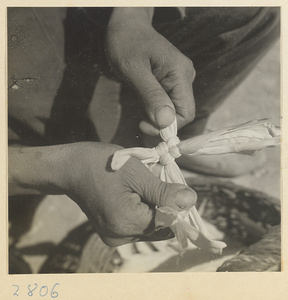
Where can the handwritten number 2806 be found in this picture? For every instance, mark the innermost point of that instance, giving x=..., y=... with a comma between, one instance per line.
x=43, y=291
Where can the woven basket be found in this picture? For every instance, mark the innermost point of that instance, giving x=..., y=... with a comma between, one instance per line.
x=248, y=216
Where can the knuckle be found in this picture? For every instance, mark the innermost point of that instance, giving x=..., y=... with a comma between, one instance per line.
x=151, y=93
x=190, y=70
x=186, y=68
x=117, y=225
x=137, y=221
x=127, y=66
x=120, y=230
x=189, y=64
x=163, y=192
x=186, y=119
x=125, y=225
x=189, y=116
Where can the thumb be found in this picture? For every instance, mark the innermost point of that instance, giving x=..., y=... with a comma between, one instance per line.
x=157, y=103
x=155, y=192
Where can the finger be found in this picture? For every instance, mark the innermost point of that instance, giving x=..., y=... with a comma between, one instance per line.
x=159, y=235
x=183, y=99
x=135, y=221
x=116, y=242
x=155, y=192
x=139, y=221
x=148, y=129
x=179, y=88
x=157, y=104
x=178, y=85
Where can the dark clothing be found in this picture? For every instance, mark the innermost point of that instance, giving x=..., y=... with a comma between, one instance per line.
x=51, y=79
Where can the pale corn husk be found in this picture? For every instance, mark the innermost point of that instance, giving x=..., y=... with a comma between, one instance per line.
x=181, y=225
x=187, y=224
x=245, y=138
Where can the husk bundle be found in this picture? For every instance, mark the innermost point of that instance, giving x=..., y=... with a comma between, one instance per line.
x=244, y=138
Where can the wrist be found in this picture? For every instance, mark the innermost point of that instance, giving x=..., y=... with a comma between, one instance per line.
x=37, y=170
x=122, y=16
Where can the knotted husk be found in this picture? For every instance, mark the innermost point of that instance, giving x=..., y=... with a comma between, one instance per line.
x=245, y=138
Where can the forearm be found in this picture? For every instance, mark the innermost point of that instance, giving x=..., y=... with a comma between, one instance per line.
x=122, y=15
x=36, y=170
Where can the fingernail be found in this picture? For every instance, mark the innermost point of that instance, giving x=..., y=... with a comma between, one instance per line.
x=164, y=116
x=186, y=198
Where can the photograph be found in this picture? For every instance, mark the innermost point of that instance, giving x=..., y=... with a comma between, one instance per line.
x=144, y=139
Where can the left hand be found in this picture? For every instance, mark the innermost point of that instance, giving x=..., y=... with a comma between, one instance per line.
x=120, y=205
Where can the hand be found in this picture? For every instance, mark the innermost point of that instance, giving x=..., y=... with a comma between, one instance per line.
x=161, y=75
x=121, y=204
